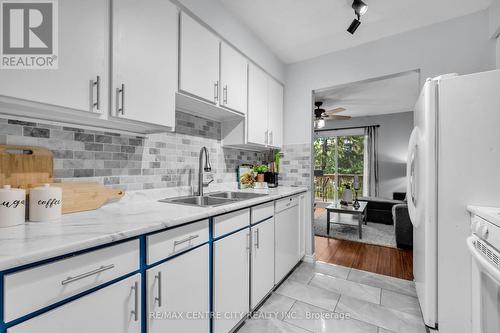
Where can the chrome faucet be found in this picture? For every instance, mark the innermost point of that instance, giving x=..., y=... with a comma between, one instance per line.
x=207, y=167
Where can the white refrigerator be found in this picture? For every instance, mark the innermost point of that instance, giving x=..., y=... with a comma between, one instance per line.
x=453, y=161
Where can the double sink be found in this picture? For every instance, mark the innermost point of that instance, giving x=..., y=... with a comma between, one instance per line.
x=214, y=199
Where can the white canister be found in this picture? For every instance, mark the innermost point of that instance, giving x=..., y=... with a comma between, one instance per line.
x=12, y=206
x=45, y=203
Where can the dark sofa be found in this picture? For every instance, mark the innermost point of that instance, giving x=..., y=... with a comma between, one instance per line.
x=379, y=210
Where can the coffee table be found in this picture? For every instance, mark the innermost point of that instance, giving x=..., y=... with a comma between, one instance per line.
x=337, y=208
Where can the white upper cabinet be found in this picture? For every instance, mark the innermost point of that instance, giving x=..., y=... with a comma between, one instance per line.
x=145, y=60
x=199, y=60
x=275, y=113
x=234, y=69
x=257, y=106
x=83, y=56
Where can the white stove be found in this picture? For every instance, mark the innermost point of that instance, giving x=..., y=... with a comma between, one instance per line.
x=484, y=246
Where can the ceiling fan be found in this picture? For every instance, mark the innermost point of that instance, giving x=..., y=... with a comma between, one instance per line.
x=320, y=113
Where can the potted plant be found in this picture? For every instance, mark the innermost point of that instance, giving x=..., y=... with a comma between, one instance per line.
x=260, y=170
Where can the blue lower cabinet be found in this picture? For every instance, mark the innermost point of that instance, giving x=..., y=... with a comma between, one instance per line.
x=178, y=294
x=113, y=309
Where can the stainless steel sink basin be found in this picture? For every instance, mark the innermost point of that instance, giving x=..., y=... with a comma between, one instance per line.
x=204, y=201
x=236, y=195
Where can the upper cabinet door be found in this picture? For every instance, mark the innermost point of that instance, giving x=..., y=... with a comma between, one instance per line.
x=145, y=35
x=275, y=104
x=234, y=69
x=83, y=56
x=257, y=130
x=199, y=60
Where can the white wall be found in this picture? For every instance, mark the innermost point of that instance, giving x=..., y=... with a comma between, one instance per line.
x=498, y=52
x=213, y=13
x=460, y=45
x=494, y=18
x=394, y=133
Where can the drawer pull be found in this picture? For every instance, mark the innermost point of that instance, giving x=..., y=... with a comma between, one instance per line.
x=187, y=239
x=135, y=312
x=71, y=279
x=257, y=242
x=158, y=299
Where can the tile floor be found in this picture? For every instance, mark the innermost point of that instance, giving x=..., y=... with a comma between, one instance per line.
x=324, y=297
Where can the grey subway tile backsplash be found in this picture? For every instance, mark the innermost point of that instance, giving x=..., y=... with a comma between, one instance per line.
x=128, y=161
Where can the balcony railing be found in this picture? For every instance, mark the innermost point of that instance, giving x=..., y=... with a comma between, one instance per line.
x=325, y=187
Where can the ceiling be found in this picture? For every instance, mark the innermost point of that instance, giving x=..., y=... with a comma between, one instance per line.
x=392, y=94
x=296, y=30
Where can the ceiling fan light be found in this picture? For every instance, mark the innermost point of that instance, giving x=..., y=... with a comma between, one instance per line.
x=320, y=123
x=360, y=8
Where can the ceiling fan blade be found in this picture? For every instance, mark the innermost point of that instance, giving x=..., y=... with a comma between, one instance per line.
x=337, y=117
x=336, y=110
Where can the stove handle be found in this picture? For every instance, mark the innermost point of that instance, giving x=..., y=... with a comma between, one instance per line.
x=482, y=262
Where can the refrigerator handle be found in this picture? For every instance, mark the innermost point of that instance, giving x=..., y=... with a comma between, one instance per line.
x=412, y=174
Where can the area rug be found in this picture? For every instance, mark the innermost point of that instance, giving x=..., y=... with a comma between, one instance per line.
x=373, y=233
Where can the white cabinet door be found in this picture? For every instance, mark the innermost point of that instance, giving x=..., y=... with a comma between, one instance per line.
x=287, y=241
x=83, y=55
x=231, y=280
x=275, y=113
x=145, y=35
x=234, y=69
x=262, y=260
x=114, y=309
x=199, y=60
x=180, y=286
x=257, y=130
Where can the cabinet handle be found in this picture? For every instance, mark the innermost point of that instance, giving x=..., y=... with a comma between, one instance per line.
x=271, y=137
x=187, y=239
x=257, y=239
x=248, y=241
x=135, y=312
x=158, y=299
x=97, y=85
x=224, y=96
x=71, y=279
x=216, y=91
x=266, y=137
x=120, y=91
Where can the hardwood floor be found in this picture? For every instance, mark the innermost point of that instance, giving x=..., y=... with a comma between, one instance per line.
x=373, y=258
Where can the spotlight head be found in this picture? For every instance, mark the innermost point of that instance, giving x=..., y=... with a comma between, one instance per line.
x=359, y=7
x=354, y=26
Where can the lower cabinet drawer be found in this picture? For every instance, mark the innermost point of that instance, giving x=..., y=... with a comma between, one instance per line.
x=262, y=212
x=114, y=309
x=167, y=243
x=35, y=288
x=286, y=203
x=230, y=222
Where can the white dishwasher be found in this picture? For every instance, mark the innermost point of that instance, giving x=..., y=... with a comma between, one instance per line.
x=287, y=242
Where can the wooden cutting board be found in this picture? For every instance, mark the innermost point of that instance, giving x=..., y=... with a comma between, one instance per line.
x=79, y=197
x=22, y=165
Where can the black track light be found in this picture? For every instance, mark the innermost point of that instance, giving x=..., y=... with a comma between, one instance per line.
x=354, y=26
x=360, y=9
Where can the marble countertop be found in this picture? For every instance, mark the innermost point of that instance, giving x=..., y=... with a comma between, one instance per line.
x=491, y=214
x=139, y=212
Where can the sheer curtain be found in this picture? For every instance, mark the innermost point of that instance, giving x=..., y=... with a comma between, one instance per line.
x=370, y=173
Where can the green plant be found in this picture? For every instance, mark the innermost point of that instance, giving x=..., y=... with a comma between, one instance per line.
x=260, y=168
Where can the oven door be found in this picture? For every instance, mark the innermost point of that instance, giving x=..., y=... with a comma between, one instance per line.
x=485, y=286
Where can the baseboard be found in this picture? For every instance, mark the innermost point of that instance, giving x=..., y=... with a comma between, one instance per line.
x=309, y=258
